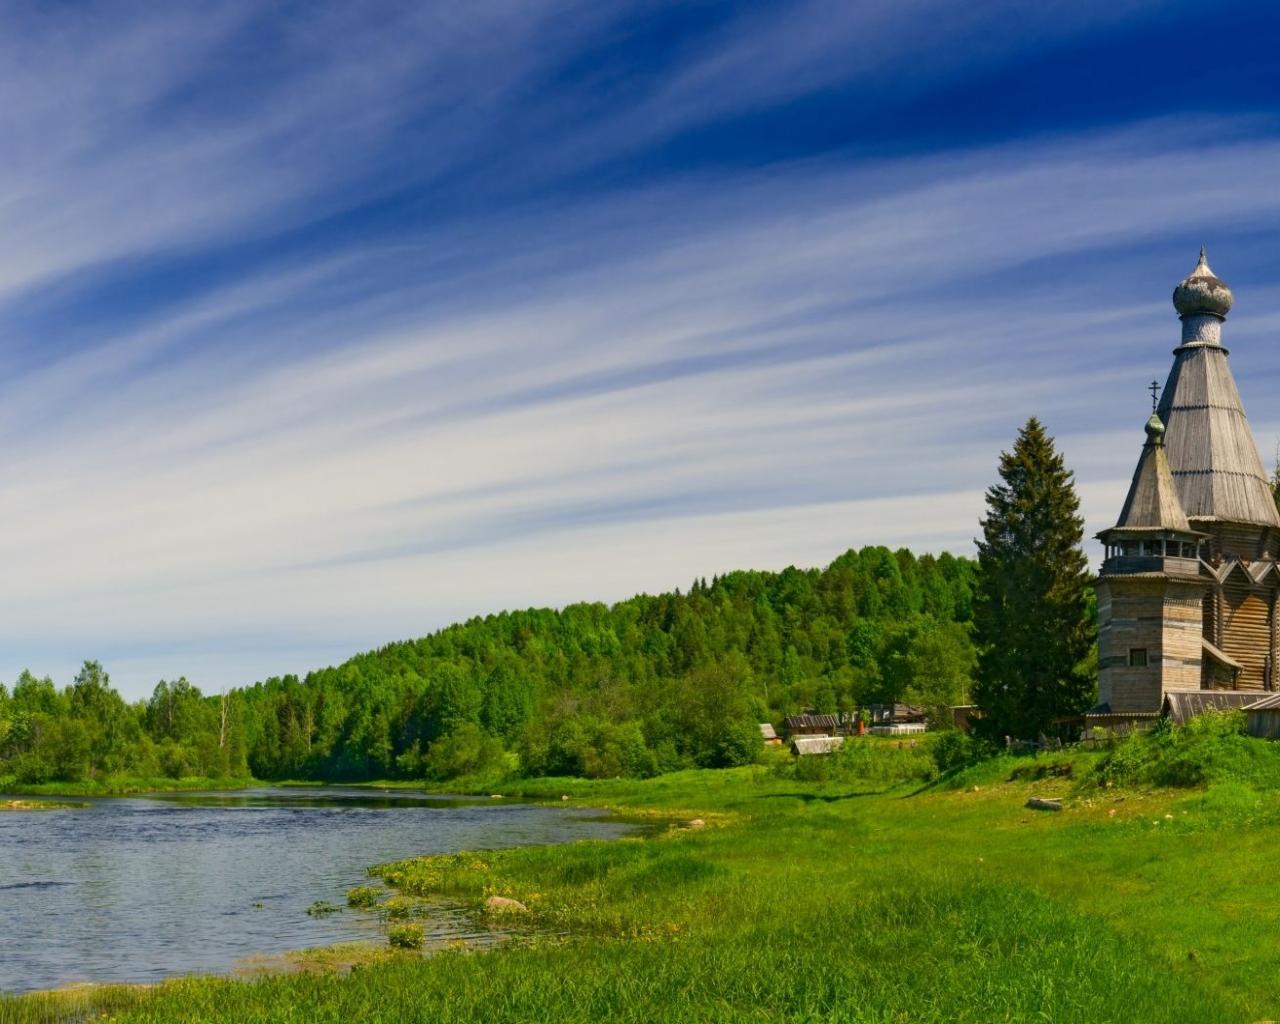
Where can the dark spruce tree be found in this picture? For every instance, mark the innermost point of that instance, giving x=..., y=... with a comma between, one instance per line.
x=1031, y=611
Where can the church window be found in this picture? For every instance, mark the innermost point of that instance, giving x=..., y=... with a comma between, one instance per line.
x=1137, y=657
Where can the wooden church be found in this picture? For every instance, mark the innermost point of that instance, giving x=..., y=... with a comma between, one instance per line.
x=1187, y=592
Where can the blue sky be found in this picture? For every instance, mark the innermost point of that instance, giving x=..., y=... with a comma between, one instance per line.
x=327, y=325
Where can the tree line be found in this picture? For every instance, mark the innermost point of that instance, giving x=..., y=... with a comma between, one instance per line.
x=649, y=685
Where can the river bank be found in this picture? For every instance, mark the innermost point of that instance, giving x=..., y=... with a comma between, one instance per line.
x=835, y=900
x=140, y=889
x=122, y=785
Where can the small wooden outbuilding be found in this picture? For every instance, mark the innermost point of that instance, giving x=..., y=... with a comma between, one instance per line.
x=806, y=746
x=769, y=735
x=1180, y=708
x=1262, y=717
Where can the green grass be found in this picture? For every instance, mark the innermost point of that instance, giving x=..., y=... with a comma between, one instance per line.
x=840, y=899
x=121, y=785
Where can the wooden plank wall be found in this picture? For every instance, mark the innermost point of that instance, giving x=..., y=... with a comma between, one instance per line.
x=1264, y=724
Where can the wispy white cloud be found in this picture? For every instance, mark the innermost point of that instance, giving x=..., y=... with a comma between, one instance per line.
x=369, y=433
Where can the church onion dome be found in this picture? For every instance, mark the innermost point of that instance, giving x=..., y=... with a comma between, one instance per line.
x=1202, y=292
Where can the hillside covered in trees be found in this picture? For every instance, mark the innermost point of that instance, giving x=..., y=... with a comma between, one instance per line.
x=651, y=684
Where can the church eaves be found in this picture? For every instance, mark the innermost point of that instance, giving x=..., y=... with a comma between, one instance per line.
x=1211, y=452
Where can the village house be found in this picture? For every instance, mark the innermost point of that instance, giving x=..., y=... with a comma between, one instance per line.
x=810, y=723
x=769, y=735
x=880, y=720
x=1188, y=588
x=897, y=719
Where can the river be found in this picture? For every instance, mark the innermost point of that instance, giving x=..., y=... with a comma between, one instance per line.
x=136, y=889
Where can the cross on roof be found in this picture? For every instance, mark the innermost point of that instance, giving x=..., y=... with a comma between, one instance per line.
x=1154, y=388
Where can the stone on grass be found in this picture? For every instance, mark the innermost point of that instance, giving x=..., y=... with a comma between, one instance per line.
x=697, y=823
x=504, y=905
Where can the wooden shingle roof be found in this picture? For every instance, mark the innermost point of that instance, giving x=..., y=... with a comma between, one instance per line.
x=1153, y=502
x=809, y=721
x=1212, y=455
x=1182, y=706
x=802, y=746
x=1220, y=656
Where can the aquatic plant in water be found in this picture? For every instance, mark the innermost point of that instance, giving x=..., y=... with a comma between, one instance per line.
x=405, y=936
x=364, y=896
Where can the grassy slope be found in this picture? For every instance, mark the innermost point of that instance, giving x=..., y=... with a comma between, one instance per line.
x=828, y=902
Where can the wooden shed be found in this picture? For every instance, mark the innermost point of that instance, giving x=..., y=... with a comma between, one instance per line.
x=807, y=746
x=1180, y=708
x=1262, y=717
x=769, y=735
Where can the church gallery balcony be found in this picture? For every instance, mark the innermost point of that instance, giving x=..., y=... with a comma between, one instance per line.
x=1161, y=553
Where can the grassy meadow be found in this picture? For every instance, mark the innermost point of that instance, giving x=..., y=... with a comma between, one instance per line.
x=869, y=889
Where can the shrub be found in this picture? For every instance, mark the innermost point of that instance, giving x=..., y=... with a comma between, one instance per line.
x=866, y=759
x=739, y=744
x=31, y=768
x=174, y=760
x=587, y=745
x=323, y=908
x=405, y=936
x=363, y=896
x=953, y=749
x=468, y=750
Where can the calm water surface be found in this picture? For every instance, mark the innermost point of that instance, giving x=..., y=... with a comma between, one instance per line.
x=138, y=889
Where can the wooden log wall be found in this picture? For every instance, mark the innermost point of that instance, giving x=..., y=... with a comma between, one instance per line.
x=1129, y=616
x=1238, y=540
x=1180, y=637
x=1247, y=629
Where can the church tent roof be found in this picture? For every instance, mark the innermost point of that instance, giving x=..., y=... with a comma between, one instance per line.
x=1152, y=503
x=1210, y=448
